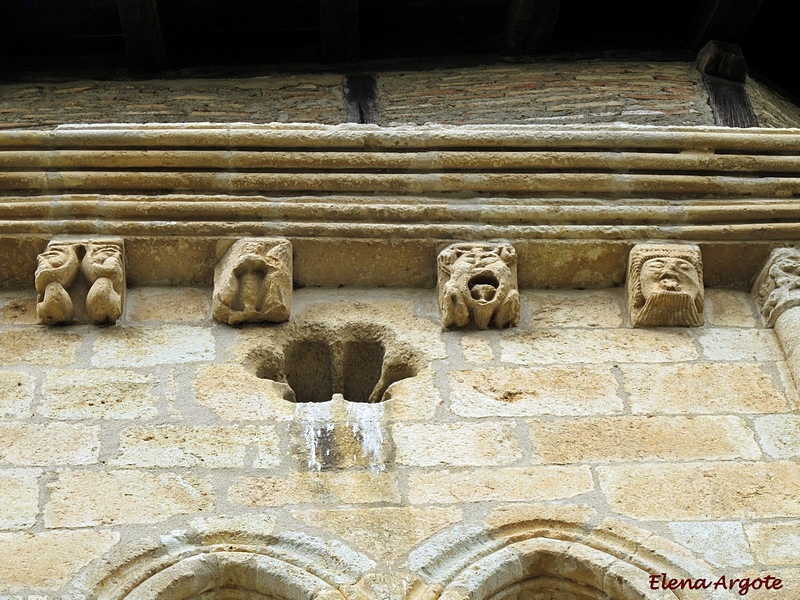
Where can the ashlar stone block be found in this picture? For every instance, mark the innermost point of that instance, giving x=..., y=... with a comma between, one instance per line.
x=478, y=284
x=665, y=285
x=253, y=282
x=49, y=559
x=81, y=280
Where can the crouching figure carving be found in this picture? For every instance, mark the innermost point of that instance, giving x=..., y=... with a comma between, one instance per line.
x=478, y=283
x=81, y=281
x=253, y=282
x=665, y=285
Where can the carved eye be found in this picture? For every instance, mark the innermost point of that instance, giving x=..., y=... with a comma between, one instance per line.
x=658, y=264
x=687, y=267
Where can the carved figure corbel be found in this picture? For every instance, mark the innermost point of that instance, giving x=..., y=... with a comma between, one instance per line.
x=777, y=287
x=665, y=286
x=253, y=282
x=104, y=269
x=478, y=283
x=57, y=270
x=81, y=281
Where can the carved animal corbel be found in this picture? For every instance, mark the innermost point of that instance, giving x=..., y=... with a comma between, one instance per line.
x=478, y=284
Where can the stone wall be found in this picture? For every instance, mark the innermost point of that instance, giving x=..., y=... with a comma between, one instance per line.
x=548, y=92
x=682, y=443
x=771, y=108
x=665, y=93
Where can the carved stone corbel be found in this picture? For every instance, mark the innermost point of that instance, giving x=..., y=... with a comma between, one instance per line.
x=665, y=285
x=253, y=282
x=777, y=287
x=478, y=284
x=81, y=280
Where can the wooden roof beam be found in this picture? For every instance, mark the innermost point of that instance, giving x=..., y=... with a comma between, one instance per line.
x=724, y=73
x=530, y=25
x=142, y=31
x=724, y=20
x=339, y=36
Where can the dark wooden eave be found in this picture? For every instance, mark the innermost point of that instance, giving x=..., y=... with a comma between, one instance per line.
x=142, y=31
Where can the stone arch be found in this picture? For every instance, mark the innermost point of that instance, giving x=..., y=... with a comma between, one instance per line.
x=549, y=560
x=224, y=565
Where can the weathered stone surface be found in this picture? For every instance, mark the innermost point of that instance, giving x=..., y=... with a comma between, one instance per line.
x=340, y=434
x=612, y=439
x=514, y=514
x=91, y=498
x=740, y=344
x=204, y=446
x=728, y=308
x=570, y=308
x=477, y=283
x=167, y=305
x=721, y=490
x=20, y=310
x=386, y=534
x=137, y=346
x=779, y=435
x=413, y=399
x=98, y=394
x=29, y=444
x=723, y=543
x=348, y=307
x=455, y=444
x=555, y=390
x=353, y=487
x=236, y=394
x=19, y=499
x=699, y=388
x=49, y=348
x=241, y=525
x=665, y=285
x=16, y=394
x=597, y=346
x=488, y=485
x=49, y=559
x=775, y=543
x=477, y=349
x=253, y=282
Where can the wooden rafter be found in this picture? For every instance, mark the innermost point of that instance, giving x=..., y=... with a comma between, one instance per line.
x=142, y=32
x=530, y=25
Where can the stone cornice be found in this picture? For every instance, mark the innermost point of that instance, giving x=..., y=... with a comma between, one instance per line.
x=424, y=186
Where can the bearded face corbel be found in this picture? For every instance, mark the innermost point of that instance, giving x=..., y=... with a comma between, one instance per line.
x=665, y=286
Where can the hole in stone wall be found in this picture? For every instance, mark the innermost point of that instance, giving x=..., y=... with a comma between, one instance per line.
x=362, y=362
x=308, y=368
x=359, y=361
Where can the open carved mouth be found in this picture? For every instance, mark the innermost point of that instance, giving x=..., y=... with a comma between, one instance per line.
x=483, y=286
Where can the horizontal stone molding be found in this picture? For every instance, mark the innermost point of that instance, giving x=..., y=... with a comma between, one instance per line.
x=424, y=185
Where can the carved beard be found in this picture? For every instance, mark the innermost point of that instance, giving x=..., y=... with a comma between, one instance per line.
x=669, y=309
